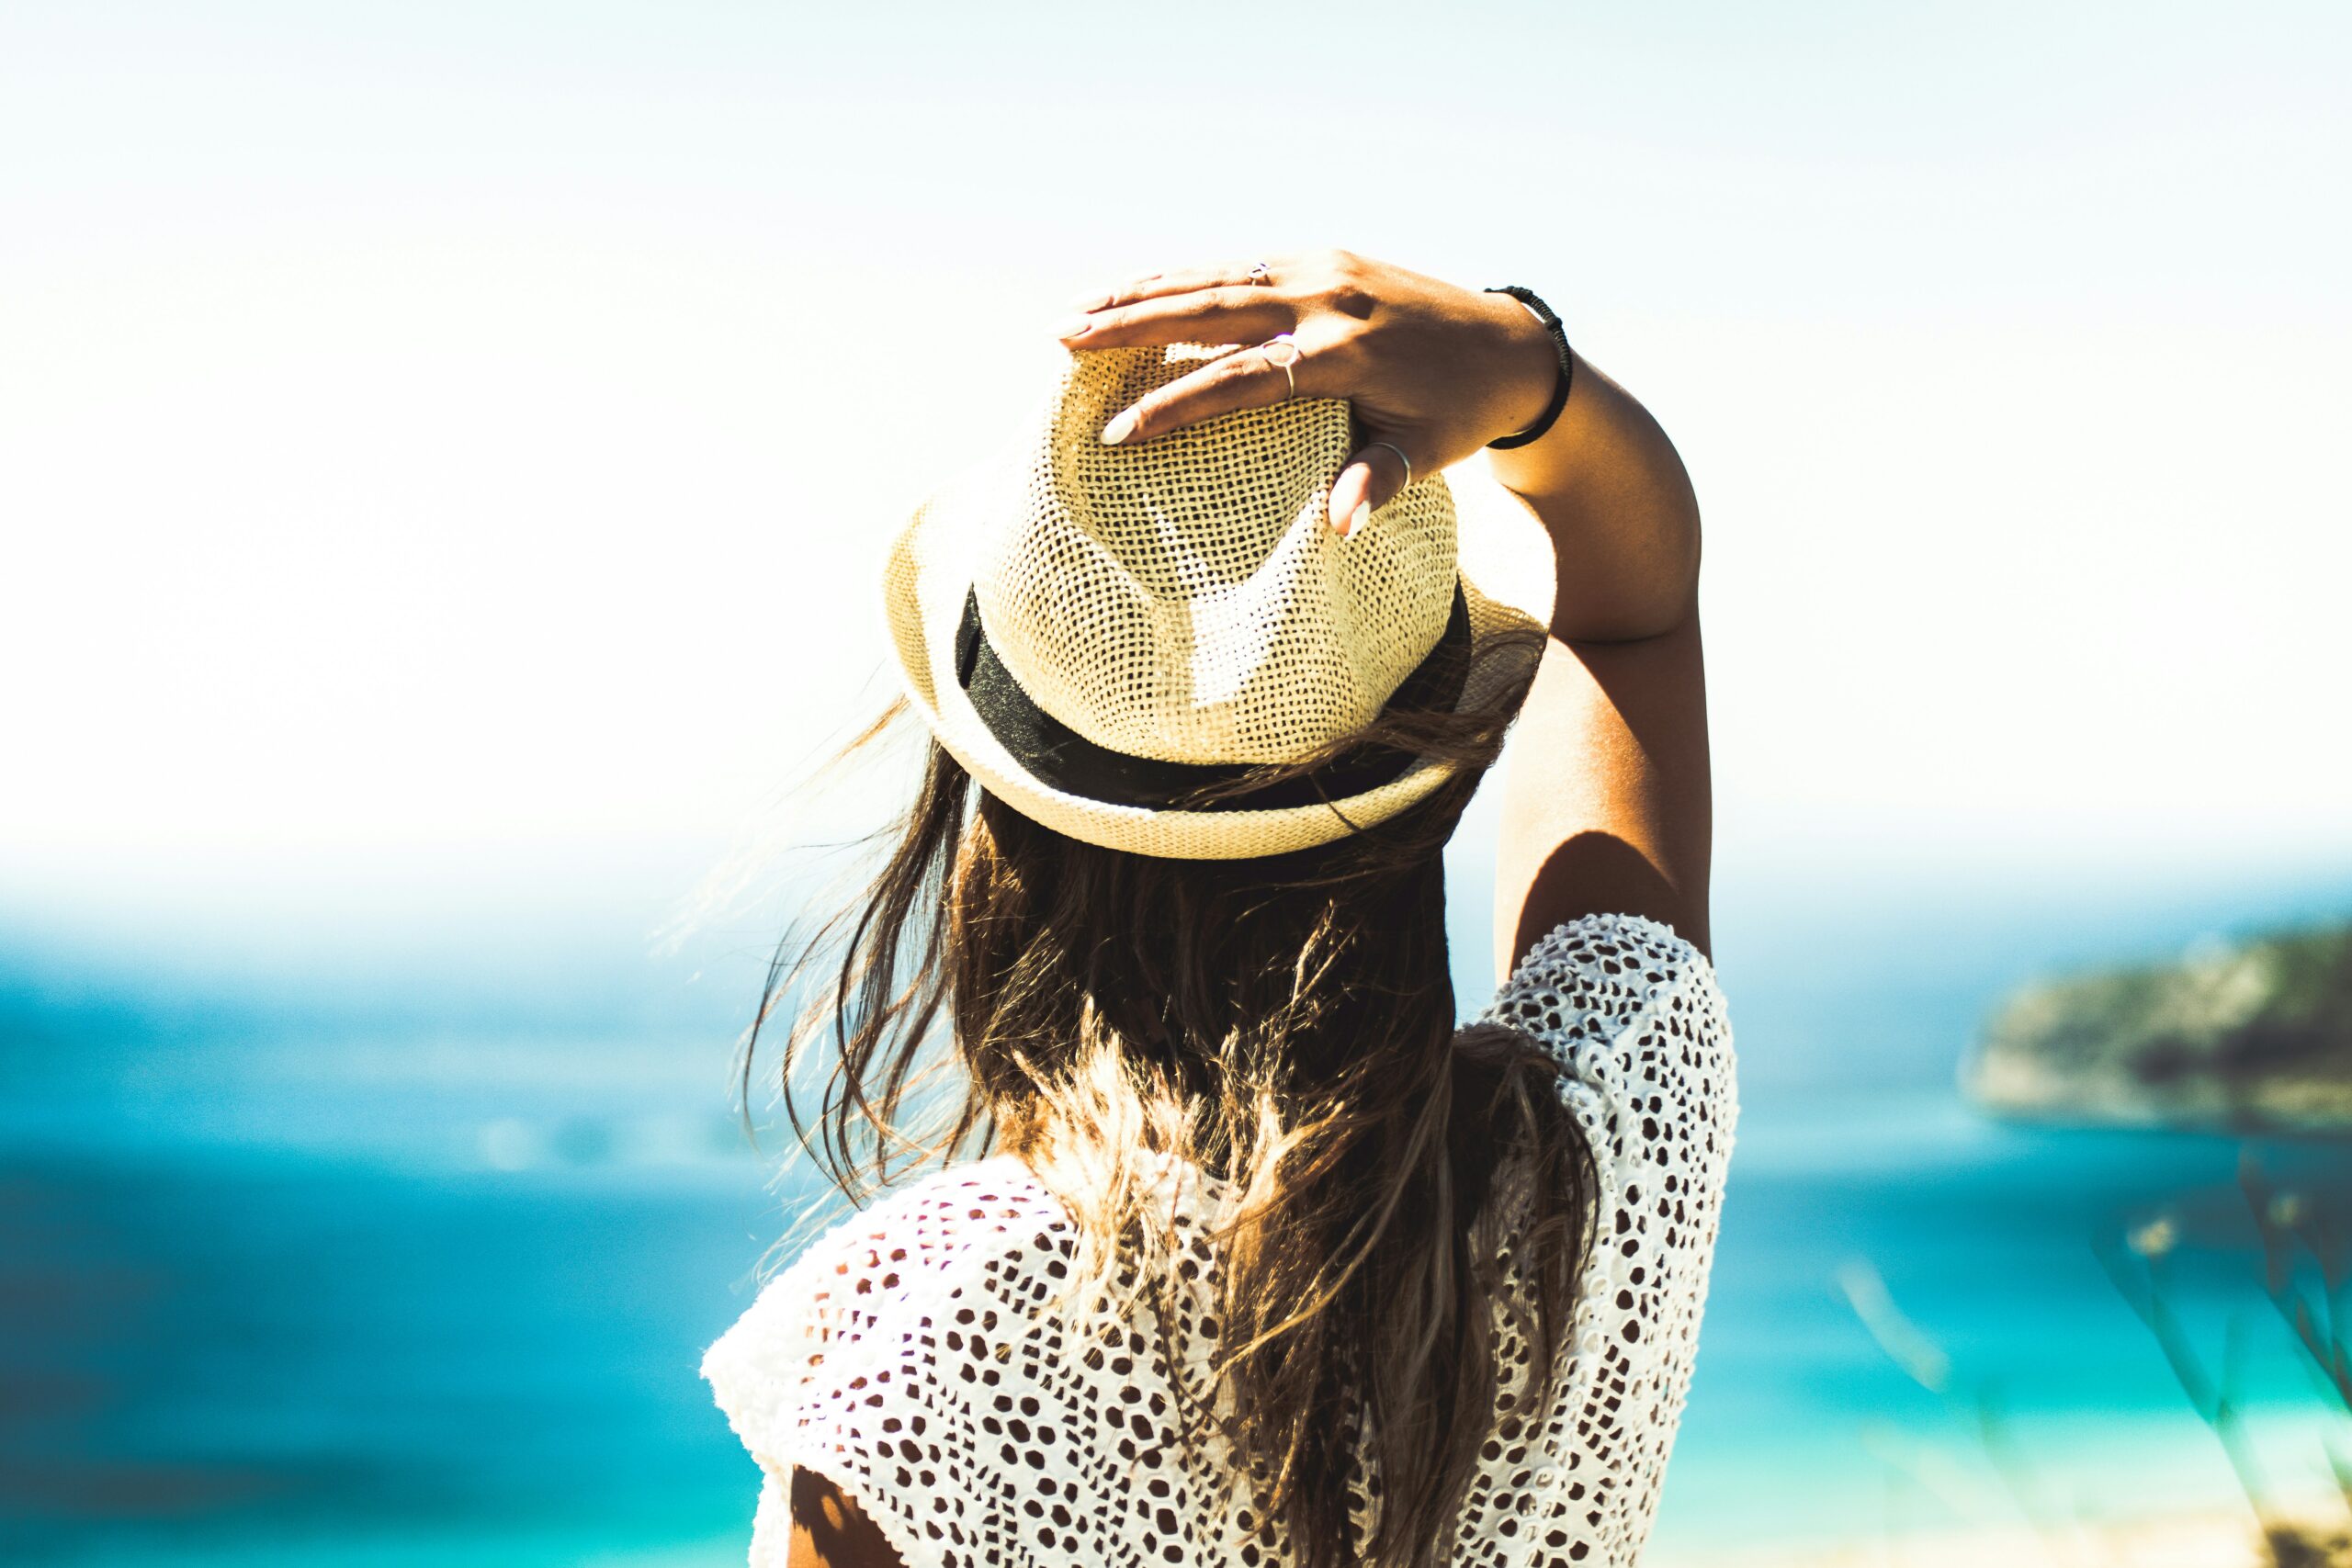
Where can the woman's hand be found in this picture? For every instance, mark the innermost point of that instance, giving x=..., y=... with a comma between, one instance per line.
x=1437, y=369
x=1606, y=799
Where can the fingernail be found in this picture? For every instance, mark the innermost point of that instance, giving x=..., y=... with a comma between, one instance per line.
x=1072, y=326
x=1120, y=428
x=1360, y=518
x=1090, y=303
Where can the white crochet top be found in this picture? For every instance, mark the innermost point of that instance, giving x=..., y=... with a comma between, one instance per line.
x=904, y=1356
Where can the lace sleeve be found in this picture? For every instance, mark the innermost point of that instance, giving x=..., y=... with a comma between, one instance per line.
x=873, y=1361
x=1633, y=1013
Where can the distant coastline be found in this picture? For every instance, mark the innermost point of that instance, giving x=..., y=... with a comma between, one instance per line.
x=2247, y=1036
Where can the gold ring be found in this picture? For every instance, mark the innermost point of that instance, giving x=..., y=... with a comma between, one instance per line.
x=1261, y=273
x=1285, y=364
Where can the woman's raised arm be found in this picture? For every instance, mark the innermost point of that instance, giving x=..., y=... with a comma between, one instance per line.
x=1607, y=800
x=1606, y=794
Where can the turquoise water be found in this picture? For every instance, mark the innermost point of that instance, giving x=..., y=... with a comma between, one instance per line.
x=279, y=1289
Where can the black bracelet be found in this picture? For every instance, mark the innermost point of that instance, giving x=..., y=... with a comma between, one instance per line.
x=1568, y=367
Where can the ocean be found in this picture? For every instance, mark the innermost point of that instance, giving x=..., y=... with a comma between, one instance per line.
x=393, y=1284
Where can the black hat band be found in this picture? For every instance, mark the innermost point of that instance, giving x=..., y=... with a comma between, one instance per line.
x=1057, y=755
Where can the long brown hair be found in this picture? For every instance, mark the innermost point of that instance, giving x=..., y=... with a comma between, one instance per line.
x=1285, y=1024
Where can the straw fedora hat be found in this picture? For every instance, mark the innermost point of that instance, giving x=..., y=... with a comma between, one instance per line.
x=1096, y=632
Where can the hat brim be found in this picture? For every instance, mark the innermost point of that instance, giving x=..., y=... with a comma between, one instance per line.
x=1508, y=573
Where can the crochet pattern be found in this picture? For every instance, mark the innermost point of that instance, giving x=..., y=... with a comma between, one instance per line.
x=906, y=1356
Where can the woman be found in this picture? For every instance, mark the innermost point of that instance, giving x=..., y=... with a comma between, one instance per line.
x=1259, y=1258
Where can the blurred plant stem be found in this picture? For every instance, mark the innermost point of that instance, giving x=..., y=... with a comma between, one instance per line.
x=2306, y=1275
x=1976, y=1405
x=2287, y=1222
x=2138, y=1270
x=2289, y=1227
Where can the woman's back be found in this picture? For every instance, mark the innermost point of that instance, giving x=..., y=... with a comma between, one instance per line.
x=1211, y=664
x=913, y=1356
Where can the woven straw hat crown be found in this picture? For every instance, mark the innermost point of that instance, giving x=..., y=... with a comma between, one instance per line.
x=1186, y=599
x=1097, y=632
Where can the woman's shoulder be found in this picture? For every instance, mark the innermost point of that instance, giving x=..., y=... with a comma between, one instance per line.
x=1634, y=1013
x=885, y=1356
x=927, y=1225
x=1603, y=970
x=895, y=1262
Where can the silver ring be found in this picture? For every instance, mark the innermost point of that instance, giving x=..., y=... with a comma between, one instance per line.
x=1261, y=273
x=1296, y=354
x=1400, y=457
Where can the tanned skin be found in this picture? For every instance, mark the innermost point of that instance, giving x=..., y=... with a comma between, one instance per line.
x=829, y=1531
x=1607, y=803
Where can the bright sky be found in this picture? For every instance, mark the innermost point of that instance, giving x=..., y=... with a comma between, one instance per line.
x=427, y=426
